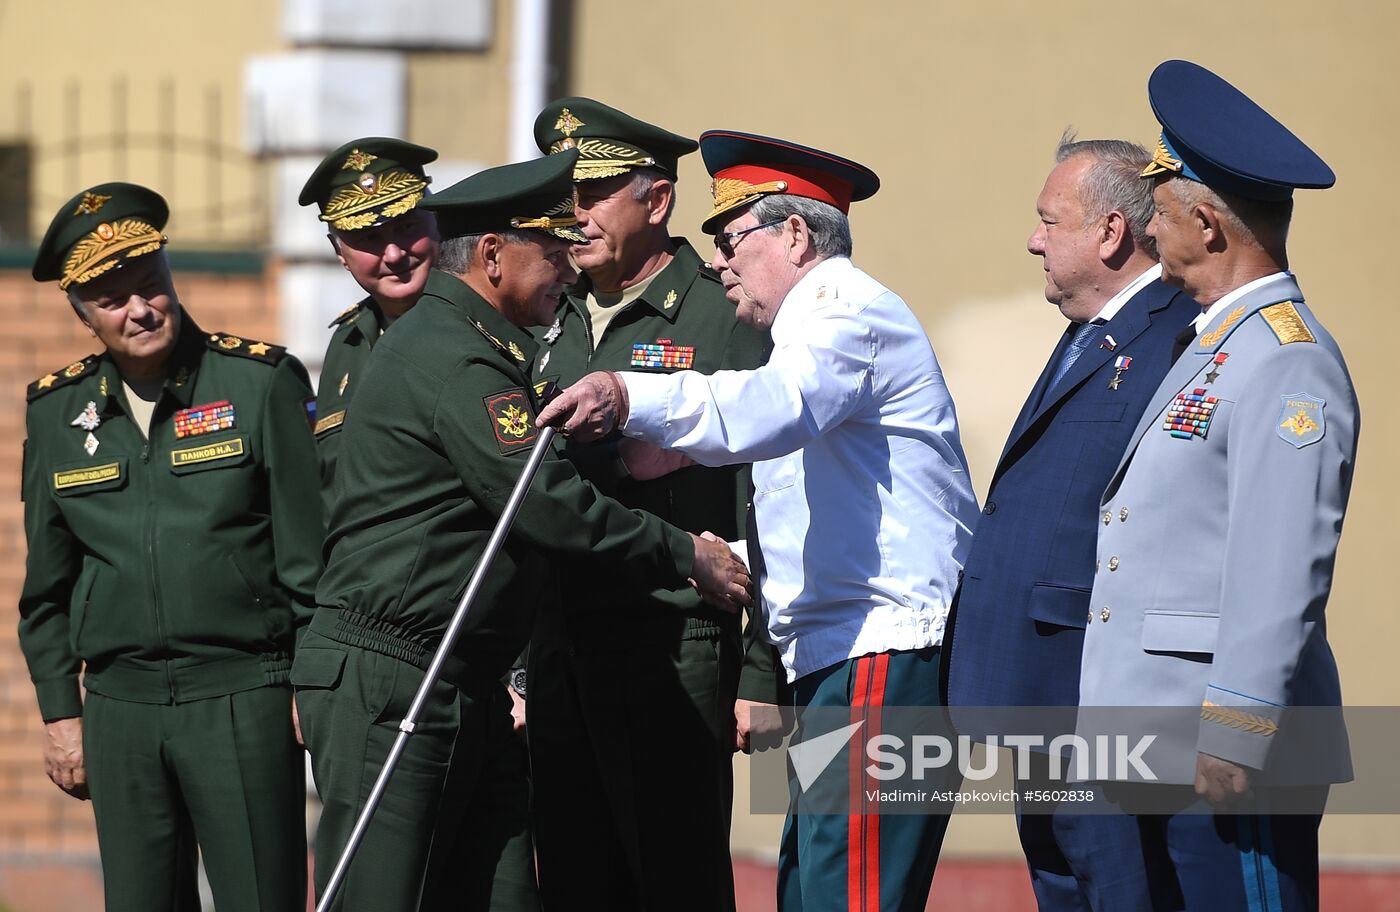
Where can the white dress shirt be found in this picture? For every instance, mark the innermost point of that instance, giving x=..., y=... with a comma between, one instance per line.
x=1128, y=292
x=862, y=498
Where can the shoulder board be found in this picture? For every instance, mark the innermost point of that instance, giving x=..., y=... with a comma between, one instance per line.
x=708, y=272
x=344, y=316
x=227, y=344
x=53, y=380
x=1287, y=323
x=510, y=350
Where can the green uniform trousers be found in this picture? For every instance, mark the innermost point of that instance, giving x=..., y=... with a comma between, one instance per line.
x=452, y=830
x=632, y=759
x=226, y=772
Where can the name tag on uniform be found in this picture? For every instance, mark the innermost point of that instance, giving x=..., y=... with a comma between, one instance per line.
x=226, y=449
x=331, y=421
x=77, y=478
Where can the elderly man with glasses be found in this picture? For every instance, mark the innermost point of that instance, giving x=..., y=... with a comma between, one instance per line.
x=862, y=499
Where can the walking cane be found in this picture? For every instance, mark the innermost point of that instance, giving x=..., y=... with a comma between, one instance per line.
x=449, y=639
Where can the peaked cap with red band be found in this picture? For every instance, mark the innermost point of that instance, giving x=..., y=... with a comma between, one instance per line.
x=746, y=167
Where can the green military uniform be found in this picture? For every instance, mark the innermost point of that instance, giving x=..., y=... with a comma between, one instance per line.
x=440, y=432
x=172, y=571
x=361, y=185
x=662, y=673
x=357, y=330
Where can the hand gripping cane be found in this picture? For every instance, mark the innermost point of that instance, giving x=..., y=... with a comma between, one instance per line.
x=449, y=639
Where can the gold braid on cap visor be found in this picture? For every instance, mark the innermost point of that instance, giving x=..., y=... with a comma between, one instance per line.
x=353, y=207
x=599, y=158
x=97, y=252
x=559, y=221
x=1162, y=162
x=731, y=193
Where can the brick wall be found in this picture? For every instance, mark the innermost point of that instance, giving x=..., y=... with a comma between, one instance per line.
x=48, y=846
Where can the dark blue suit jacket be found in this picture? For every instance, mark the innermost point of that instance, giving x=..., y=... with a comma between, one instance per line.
x=1018, y=628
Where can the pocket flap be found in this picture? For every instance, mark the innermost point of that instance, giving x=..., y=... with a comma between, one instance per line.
x=1164, y=631
x=1064, y=606
x=317, y=666
x=88, y=476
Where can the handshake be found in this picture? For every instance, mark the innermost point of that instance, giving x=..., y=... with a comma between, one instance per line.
x=590, y=410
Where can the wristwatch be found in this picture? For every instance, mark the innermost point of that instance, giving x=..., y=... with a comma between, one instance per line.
x=516, y=679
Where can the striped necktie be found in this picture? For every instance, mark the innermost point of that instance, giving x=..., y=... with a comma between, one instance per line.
x=1073, y=351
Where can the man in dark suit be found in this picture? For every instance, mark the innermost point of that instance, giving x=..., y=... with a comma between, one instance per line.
x=1019, y=622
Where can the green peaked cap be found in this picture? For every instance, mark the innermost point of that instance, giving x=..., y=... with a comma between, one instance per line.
x=609, y=141
x=96, y=230
x=536, y=194
x=368, y=181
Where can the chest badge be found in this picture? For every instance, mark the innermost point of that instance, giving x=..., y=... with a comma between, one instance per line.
x=205, y=419
x=1190, y=414
x=1214, y=373
x=1109, y=343
x=1301, y=421
x=663, y=353
x=1120, y=364
x=344, y=382
x=87, y=419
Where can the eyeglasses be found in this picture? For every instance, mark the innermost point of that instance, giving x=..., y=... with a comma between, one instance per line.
x=725, y=240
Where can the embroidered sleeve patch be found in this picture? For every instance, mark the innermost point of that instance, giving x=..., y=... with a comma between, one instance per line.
x=512, y=419
x=205, y=419
x=1301, y=421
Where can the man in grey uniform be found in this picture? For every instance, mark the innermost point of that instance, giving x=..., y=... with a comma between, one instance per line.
x=1220, y=527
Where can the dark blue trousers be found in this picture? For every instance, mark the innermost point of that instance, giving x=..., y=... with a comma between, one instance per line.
x=863, y=861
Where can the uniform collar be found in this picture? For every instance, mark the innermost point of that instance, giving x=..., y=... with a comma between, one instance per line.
x=514, y=343
x=1224, y=316
x=368, y=321
x=179, y=375
x=666, y=293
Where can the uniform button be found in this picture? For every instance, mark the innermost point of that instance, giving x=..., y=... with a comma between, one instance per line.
x=1096, y=566
x=1103, y=615
x=1123, y=515
x=990, y=508
x=1113, y=562
x=1107, y=517
x=1091, y=615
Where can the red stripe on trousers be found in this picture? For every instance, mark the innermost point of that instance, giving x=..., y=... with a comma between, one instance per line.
x=863, y=828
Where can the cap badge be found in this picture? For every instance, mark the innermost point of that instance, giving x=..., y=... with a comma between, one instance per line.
x=357, y=160
x=106, y=231
x=568, y=123
x=368, y=182
x=1162, y=161
x=90, y=203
